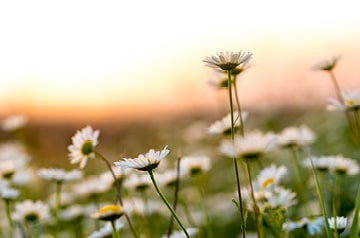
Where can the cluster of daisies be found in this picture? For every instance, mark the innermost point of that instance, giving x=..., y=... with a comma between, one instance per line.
x=281, y=188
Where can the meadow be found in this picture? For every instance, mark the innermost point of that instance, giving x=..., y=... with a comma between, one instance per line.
x=296, y=171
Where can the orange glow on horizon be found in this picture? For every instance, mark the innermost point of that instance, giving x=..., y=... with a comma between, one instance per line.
x=106, y=55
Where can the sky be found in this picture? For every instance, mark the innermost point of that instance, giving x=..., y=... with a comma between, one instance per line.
x=67, y=59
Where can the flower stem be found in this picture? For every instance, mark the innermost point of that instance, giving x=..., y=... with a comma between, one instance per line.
x=114, y=231
x=321, y=198
x=242, y=220
x=167, y=203
x=58, y=205
x=8, y=215
x=239, y=107
x=176, y=193
x=255, y=206
x=118, y=189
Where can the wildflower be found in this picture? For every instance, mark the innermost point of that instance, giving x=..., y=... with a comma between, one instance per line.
x=227, y=60
x=82, y=147
x=93, y=185
x=59, y=175
x=270, y=176
x=138, y=182
x=350, y=102
x=108, y=213
x=146, y=162
x=9, y=193
x=192, y=231
x=327, y=65
x=296, y=137
x=344, y=166
x=31, y=211
x=8, y=167
x=194, y=165
x=282, y=197
x=168, y=178
x=321, y=163
x=72, y=212
x=106, y=230
x=338, y=223
x=251, y=146
x=313, y=225
x=14, y=122
x=223, y=126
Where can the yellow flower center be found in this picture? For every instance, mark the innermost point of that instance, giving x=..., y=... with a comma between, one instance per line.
x=110, y=209
x=267, y=182
x=351, y=102
x=87, y=147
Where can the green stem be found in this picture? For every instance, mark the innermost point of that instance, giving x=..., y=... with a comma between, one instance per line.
x=255, y=206
x=167, y=203
x=242, y=220
x=114, y=231
x=299, y=180
x=239, y=107
x=176, y=195
x=58, y=206
x=8, y=215
x=321, y=198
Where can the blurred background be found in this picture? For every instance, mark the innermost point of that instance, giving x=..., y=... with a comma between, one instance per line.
x=94, y=60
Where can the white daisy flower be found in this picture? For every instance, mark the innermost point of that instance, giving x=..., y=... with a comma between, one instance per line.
x=321, y=163
x=93, y=185
x=14, y=122
x=327, y=65
x=29, y=210
x=72, y=212
x=227, y=60
x=82, y=147
x=8, y=193
x=8, y=167
x=270, y=176
x=192, y=231
x=106, y=230
x=339, y=222
x=59, y=175
x=351, y=102
x=139, y=182
x=146, y=162
x=223, y=126
x=251, y=146
x=313, y=225
x=296, y=137
x=282, y=197
x=108, y=213
x=344, y=166
x=194, y=165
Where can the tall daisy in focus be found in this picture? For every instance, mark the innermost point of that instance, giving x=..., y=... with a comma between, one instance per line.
x=147, y=163
x=228, y=62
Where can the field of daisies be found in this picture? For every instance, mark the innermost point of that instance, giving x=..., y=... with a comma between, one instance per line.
x=249, y=173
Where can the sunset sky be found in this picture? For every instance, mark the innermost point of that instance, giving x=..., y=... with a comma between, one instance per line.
x=66, y=58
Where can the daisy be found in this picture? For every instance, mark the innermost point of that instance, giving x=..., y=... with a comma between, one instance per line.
x=29, y=210
x=146, y=162
x=8, y=167
x=72, y=212
x=108, y=213
x=313, y=225
x=321, y=163
x=223, y=126
x=138, y=182
x=106, y=230
x=296, y=137
x=14, y=122
x=82, y=147
x=93, y=185
x=344, y=166
x=338, y=223
x=59, y=175
x=327, y=65
x=251, y=146
x=9, y=193
x=194, y=165
x=282, y=197
x=180, y=234
x=270, y=176
x=351, y=102
x=227, y=60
